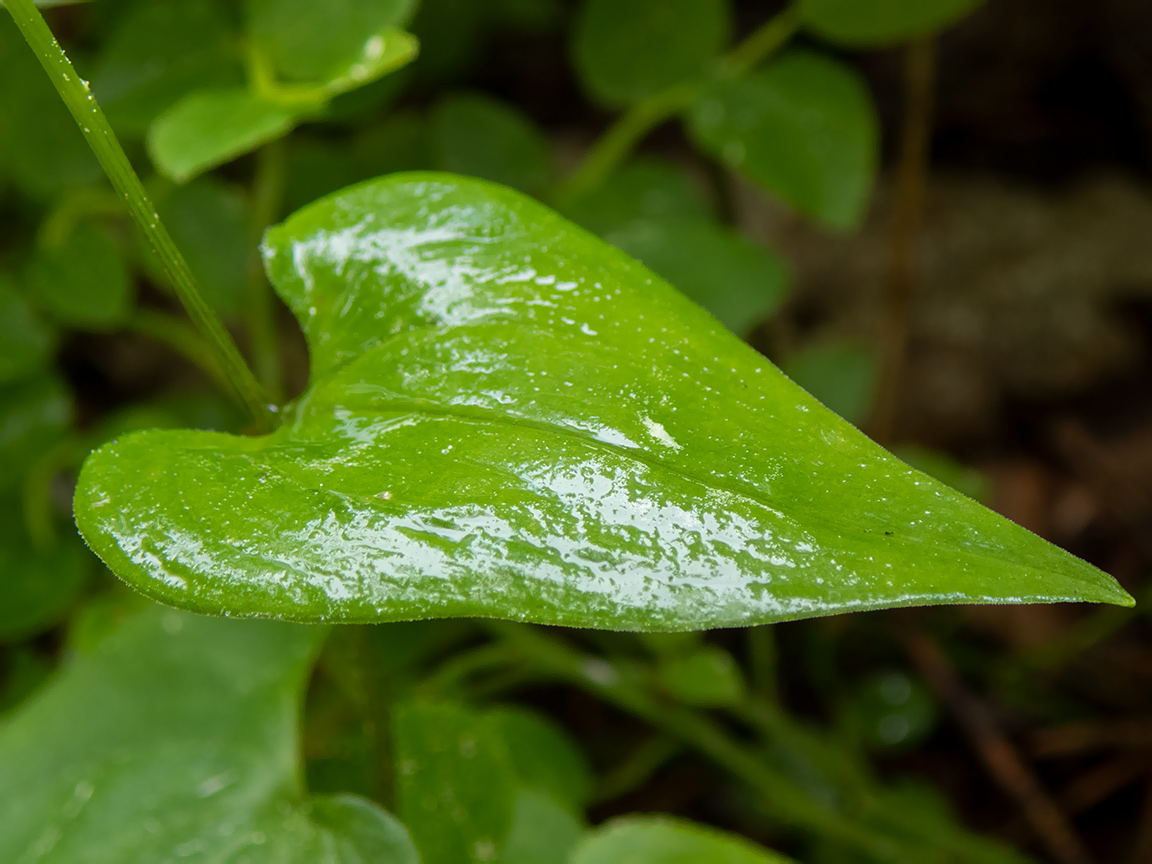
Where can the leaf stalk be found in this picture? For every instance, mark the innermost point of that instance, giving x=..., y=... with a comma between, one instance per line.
x=623, y=136
x=98, y=133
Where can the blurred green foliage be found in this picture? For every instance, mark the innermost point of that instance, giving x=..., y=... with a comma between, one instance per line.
x=134, y=733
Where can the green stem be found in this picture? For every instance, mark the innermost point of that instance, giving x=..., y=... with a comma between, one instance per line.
x=633, y=126
x=100, y=137
x=622, y=137
x=764, y=41
x=609, y=682
x=267, y=199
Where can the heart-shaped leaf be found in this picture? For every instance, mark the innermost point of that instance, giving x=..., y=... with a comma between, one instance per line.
x=510, y=418
x=111, y=762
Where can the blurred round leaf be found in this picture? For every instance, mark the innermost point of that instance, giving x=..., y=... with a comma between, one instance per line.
x=211, y=223
x=645, y=188
x=399, y=143
x=158, y=53
x=543, y=756
x=83, y=281
x=455, y=788
x=34, y=414
x=37, y=584
x=880, y=22
x=944, y=468
x=738, y=281
x=483, y=137
x=542, y=831
x=841, y=375
x=664, y=840
x=627, y=50
x=706, y=678
x=803, y=127
x=25, y=341
x=891, y=710
x=210, y=127
x=40, y=147
x=310, y=41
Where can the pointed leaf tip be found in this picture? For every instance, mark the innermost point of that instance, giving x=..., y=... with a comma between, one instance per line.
x=509, y=418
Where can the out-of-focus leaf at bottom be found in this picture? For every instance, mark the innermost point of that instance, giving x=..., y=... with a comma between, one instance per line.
x=663, y=840
x=478, y=787
x=510, y=418
x=175, y=739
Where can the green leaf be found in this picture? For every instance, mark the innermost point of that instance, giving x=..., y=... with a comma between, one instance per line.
x=643, y=189
x=452, y=34
x=944, y=468
x=309, y=41
x=455, y=788
x=36, y=584
x=509, y=418
x=158, y=53
x=210, y=127
x=653, y=211
x=84, y=281
x=542, y=831
x=842, y=375
x=738, y=281
x=890, y=710
x=707, y=678
x=478, y=135
x=25, y=342
x=615, y=67
x=34, y=414
x=880, y=22
x=542, y=756
x=803, y=127
x=381, y=53
x=111, y=762
x=40, y=147
x=211, y=223
x=663, y=840
x=483, y=787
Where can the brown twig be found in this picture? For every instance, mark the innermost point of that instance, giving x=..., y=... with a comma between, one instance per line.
x=911, y=178
x=1074, y=738
x=1101, y=783
x=999, y=756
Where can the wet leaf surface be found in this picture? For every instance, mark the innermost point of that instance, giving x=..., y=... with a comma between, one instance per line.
x=509, y=418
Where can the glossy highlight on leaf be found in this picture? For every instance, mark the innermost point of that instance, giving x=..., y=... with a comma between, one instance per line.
x=509, y=418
